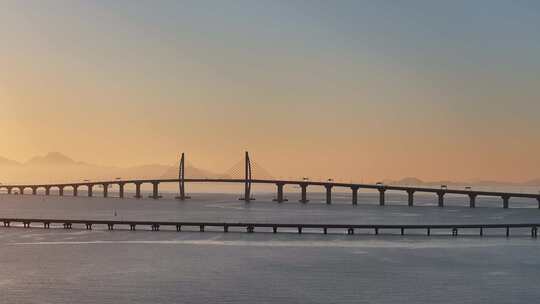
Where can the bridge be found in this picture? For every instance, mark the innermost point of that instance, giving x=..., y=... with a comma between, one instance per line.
x=247, y=180
x=250, y=227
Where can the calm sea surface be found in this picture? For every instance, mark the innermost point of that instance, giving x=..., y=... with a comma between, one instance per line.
x=79, y=266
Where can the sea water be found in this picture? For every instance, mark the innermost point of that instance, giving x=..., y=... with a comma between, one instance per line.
x=99, y=266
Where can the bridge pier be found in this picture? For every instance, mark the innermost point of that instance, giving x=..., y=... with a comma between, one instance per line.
x=105, y=190
x=155, y=190
x=303, y=198
x=382, y=197
x=280, y=198
x=138, y=190
x=34, y=190
x=121, y=190
x=506, y=200
x=9, y=190
x=61, y=190
x=355, y=195
x=472, y=200
x=75, y=190
x=21, y=190
x=328, y=193
x=410, y=193
x=90, y=190
x=440, y=194
x=47, y=190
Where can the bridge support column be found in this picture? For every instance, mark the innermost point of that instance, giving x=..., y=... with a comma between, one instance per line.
x=47, y=190
x=441, y=198
x=155, y=190
x=182, y=180
x=105, y=190
x=280, y=198
x=355, y=195
x=506, y=200
x=303, y=198
x=34, y=190
x=472, y=200
x=328, y=194
x=382, y=197
x=61, y=190
x=138, y=190
x=410, y=193
x=121, y=190
x=21, y=190
x=247, y=180
x=90, y=190
x=9, y=190
x=75, y=190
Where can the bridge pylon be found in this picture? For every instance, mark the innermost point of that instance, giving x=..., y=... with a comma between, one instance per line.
x=181, y=179
x=247, y=180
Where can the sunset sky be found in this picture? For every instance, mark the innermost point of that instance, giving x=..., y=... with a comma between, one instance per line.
x=361, y=90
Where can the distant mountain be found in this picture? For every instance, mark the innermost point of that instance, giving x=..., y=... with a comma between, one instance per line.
x=405, y=181
x=190, y=172
x=534, y=182
x=52, y=158
x=413, y=181
x=57, y=167
x=8, y=162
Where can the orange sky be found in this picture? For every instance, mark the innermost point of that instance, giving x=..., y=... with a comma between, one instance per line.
x=304, y=96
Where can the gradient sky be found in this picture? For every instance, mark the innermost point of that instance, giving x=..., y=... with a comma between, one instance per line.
x=361, y=90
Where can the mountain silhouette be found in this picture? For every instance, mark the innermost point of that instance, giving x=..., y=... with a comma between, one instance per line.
x=534, y=182
x=8, y=162
x=55, y=167
x=52, y=158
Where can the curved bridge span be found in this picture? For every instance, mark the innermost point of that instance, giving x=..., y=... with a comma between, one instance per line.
x=328, y=186
x=248, y=180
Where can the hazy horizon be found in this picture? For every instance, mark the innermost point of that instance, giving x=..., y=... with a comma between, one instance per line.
x=56, y=167
x=352, y=90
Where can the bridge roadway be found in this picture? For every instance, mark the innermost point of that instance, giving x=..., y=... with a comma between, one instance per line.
x=250, y=227
x=440, y=192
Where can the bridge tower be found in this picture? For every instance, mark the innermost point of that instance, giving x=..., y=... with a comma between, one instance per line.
x=181, y=179
x=247, y=180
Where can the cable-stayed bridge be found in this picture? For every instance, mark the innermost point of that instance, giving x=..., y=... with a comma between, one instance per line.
x=248, y=173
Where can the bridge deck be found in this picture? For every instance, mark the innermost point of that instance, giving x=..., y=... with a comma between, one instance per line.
x=250, y=227
x=282, y=182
